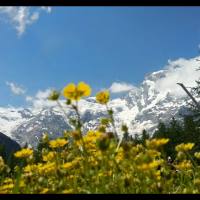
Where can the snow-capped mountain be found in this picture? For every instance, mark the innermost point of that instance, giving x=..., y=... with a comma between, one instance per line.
x=157, y=98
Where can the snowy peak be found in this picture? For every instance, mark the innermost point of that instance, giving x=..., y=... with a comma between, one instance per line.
x=157, y=98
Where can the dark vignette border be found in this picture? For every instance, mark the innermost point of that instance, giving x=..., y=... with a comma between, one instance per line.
x=100, y=2
x=100, y=196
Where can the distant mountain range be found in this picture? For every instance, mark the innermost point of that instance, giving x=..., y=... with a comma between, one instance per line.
x=140, y=108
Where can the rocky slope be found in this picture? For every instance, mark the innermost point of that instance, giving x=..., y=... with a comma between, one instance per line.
x=156, y=98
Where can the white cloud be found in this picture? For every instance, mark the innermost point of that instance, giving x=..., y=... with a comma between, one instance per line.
x=43, y=94
x=46, y=8
x=34, y=16
x=118, y=87
x=40, y=100
x=20, y=16
x=29, y=98
x=16, y=89
x=179, y=71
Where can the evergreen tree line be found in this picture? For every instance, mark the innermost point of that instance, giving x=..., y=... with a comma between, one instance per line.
x=178, y=131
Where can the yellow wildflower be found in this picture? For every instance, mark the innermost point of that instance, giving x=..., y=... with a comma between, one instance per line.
x=153, y=153
x=90, y=140
x=83, y=89
x=184, y=165
x=67, y=165
x=68, y=191
x=156, y=143
x=91, y=136
x=120, y=155
x=136, y=149
x=7, y=181
x=73, y=92
x=24, y=153
x=54, y=95
x=197, y=155
x=22, y=184
x=49, y=157
x=100, y=174
x=69, y=91
x=58, y=143
x=148, y=166
x=103, y=97
x=184, y=147
x=196, y=181
x=77, y=160
x=157, y=175
x=44, y=191
x=72, y=164
x=93, y=161
x=181, y=155
x=45, y=137
x=2, y=164
x=155, y=163
x=45, y=169
x=76, y=134
x=7, y=186
x=30, y=168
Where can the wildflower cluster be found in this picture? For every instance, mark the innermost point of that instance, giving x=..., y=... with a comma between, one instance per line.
x=73, y=92
x=97, y=162
x=24, y=153
x=184, y=147
x=103, y=97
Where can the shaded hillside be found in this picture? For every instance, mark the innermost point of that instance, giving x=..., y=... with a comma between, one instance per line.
x=7, y=146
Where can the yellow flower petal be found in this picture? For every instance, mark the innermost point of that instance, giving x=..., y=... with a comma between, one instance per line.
x=184, y=147
x=69, y=91
x=103, y=97
x=83, y=89
x=58, y=143
x=73, y=92
x=24, y=153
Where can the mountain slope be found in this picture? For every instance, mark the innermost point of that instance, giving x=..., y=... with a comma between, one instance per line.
x=157, y=98
x=8, y=146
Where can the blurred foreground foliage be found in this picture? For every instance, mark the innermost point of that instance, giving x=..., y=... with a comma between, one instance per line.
x=100, y=162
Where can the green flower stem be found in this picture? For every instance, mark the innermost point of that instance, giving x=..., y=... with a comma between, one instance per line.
x=78, y=115
x=60, y=106
x=193, y=162
x=112, y=122
x=79, y=128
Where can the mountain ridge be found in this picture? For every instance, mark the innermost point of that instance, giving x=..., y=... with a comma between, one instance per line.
x=140, y=108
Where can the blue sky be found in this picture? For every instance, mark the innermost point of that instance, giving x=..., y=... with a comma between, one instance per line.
x=98, y=45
